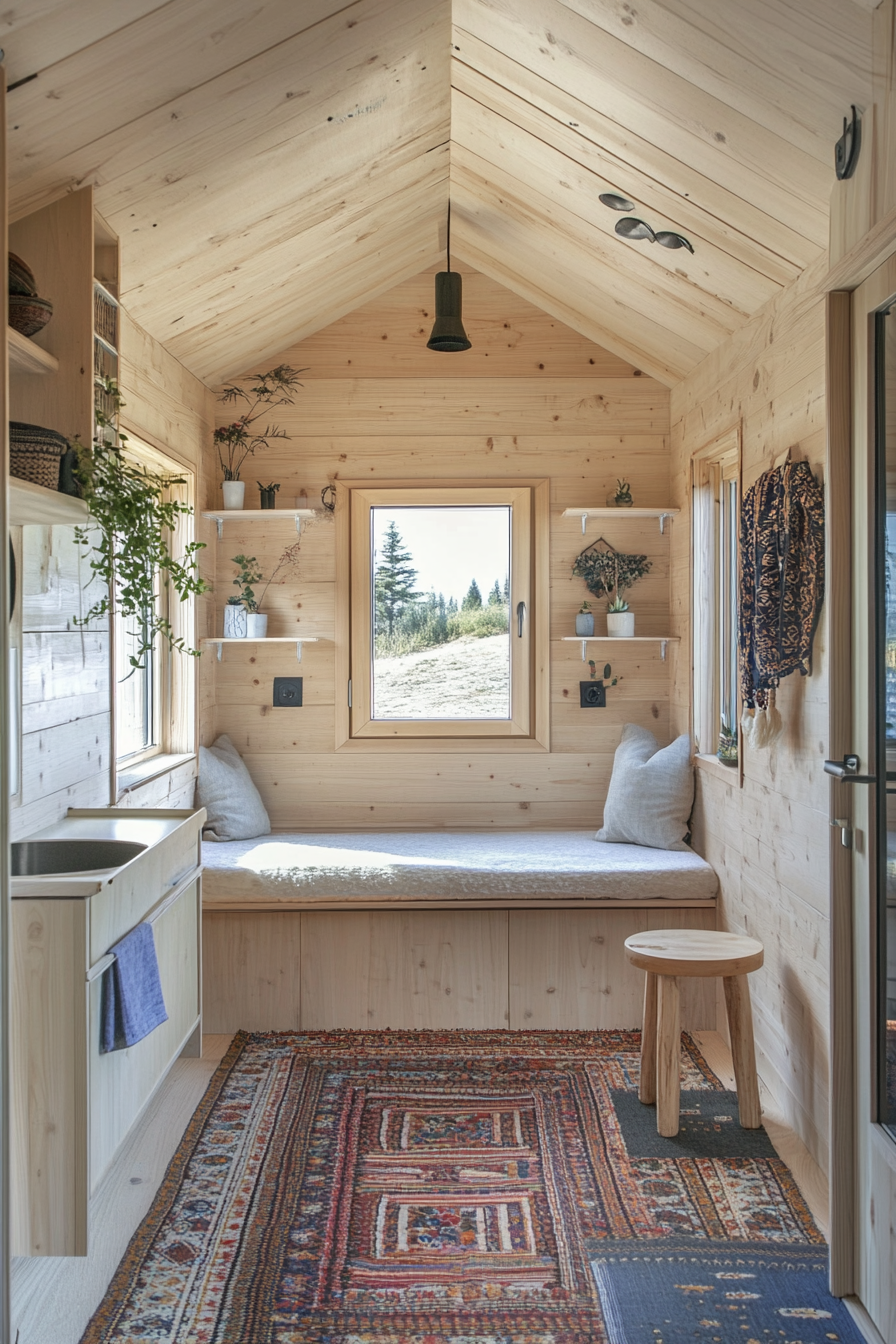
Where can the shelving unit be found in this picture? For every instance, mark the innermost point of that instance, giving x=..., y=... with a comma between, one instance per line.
x=621, y=514
x=30, y=503
x=662, y=640
x=26, y=357
x=268, y=639
x=257, y=515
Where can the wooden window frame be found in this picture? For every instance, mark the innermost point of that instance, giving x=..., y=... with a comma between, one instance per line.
x=528, y=726
x=175, y=685
x=715, y=463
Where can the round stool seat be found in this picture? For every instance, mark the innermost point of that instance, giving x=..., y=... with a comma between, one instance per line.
x=694, y=952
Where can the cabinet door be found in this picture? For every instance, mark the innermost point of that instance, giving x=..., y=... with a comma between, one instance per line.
x=122, y=1082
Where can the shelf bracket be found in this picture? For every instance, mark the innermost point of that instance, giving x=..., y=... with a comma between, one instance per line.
x=219, y=524
x=584, y=649
x=584, y=522
x=663, y=517
x=220, y=651
x=298, y=641
x=663, y=643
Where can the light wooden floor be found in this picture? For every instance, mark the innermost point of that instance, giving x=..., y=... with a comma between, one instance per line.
x=52, y=1300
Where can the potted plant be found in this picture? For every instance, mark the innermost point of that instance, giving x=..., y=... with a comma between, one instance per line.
x=267, y=494
x=585, y=620
x=244, y=437
x=128, y=537
x=622, y=498
x=608, y=573
x=236, y=619
x=620, y=621
x=249, y=576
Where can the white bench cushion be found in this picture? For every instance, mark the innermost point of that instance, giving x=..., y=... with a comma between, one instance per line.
x=451, y=865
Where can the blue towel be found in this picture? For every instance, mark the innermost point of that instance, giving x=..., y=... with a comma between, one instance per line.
x=132, y=1002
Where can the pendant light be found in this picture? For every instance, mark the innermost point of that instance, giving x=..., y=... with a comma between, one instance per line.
x=448, y=329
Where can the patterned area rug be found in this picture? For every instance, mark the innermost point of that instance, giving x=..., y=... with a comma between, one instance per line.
x=467, y=1188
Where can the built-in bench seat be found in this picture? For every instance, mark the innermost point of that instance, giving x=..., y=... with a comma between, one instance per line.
x=450, y=869
x=440, y=929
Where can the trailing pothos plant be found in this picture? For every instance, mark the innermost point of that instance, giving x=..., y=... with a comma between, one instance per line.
x=127, y=538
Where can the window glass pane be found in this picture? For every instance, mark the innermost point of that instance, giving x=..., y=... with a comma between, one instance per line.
x=440, y=600
x=134, y=727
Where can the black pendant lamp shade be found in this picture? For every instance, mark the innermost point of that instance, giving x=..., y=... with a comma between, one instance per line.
x=448, y=329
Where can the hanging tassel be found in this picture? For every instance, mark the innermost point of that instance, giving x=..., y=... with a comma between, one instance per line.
x=762, y=726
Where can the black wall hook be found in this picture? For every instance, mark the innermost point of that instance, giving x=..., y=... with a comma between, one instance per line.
x=846, y=150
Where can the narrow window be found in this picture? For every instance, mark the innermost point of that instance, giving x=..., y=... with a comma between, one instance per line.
x=715, y=521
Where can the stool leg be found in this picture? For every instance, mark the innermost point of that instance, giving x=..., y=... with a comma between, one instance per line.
x=740, y=1026
x=668, y=1056
x=647, y=1085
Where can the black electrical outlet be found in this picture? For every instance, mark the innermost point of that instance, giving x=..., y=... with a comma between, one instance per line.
x=592, y=695
x=288, y=692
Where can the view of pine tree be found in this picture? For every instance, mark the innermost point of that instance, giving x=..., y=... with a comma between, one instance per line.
x=394, y=580
x=473, y=599
x=496, y=597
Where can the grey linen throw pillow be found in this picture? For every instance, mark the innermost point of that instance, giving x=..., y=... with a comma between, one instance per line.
x=225, y=789
x=651, y=792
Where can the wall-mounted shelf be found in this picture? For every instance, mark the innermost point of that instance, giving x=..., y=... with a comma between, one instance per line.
x=259, y=515
x=585, y=514
x=662, y=640
x=35, y=504
x=26, y=357
x=269, y=639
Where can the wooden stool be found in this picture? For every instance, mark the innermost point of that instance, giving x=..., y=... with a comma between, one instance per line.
x=666, y=955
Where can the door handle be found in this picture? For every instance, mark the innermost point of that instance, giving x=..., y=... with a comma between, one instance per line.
x=520, y=615
x=847, y=771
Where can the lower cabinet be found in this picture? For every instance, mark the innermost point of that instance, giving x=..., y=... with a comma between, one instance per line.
x=72, y=1106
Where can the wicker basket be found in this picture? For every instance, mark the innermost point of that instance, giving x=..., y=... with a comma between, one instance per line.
x=35, y=454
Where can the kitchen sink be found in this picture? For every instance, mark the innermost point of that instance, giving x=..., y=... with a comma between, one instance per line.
x=40, y=858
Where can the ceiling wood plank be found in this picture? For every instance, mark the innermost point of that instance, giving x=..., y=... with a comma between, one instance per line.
x=40, y=33
x=504, y=238
x=687, y=214
x=395, y=239
x=732, y=210
x=790, y=75
x=624, y=268
x=725, y=283
x=181, y=46
x=657, y=105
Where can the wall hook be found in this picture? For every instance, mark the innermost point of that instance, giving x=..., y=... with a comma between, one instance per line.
x=846, y=150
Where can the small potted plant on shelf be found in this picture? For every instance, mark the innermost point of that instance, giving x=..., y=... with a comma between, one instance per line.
x=608, y=573
x=267, y=494
x=249, y=576
x=585, y=620
x=622, y=496
x=236, y=619
x=244, y=437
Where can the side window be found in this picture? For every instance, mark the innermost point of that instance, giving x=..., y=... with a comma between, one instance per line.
x=715, y=523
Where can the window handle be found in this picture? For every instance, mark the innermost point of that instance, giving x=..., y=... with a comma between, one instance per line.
x=520, y=616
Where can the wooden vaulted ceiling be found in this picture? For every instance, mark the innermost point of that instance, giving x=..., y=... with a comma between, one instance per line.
x=270, y=165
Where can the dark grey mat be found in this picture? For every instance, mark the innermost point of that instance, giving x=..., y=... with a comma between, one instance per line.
x=709, y=1127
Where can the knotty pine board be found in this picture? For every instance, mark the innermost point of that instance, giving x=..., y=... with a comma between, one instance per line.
x=768, y=841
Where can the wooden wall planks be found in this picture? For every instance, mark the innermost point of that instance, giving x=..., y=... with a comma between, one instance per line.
x=769, y=839
x=538, y=401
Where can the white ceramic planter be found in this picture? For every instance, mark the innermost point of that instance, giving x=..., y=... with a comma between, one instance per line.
x=235, y=623
x=620, y=624
x=585, y=623
x=234, y=493
x=257, y=625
